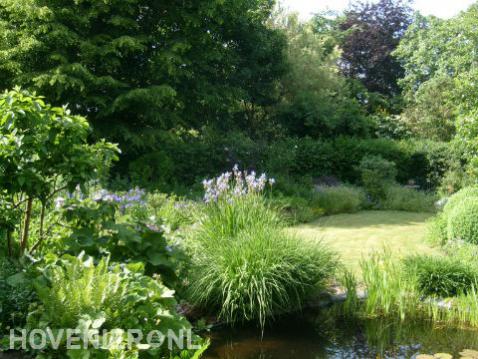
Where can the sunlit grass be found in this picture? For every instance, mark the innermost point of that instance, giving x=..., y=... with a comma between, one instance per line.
x=358, y=235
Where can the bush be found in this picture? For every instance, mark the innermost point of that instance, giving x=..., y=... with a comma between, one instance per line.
x=16, y=294
x=459, y=197
x=377, y=174
x=76, y=293
x=258, y=274
x=340, y=199
x=400, y=198
x=463, y=220
x=97, y=227
x=294, y=210
x=437, y=231
x=441, y=276
x=457, y=220
x=185, y=159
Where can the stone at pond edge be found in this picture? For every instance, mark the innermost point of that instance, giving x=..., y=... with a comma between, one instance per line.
x=469, y=354
x=436, y=356
x=443, y=356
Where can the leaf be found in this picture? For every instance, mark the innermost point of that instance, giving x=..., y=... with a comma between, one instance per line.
x=78, y=353
x=158, y=259
x=17, y=279
x=97, y=323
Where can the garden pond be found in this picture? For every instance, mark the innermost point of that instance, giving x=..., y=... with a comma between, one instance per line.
x=316, y=336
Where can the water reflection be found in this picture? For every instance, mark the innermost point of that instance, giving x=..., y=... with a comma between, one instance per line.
x=320, y=336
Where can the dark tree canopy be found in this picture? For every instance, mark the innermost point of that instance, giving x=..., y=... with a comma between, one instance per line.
x=138, y=68
x=374, y=31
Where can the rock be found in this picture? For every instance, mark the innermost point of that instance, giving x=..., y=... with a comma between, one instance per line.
x=469, y=354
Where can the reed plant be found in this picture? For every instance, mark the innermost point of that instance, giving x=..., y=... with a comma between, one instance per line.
x=394, y=291
x=389, y=291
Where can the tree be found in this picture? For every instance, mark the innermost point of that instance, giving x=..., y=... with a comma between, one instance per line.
x=43, y=150
x=139, y=68
x=317, y=100
x=374, y=31
x=439, y=58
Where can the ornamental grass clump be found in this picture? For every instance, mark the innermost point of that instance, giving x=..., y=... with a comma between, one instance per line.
x=245, y=266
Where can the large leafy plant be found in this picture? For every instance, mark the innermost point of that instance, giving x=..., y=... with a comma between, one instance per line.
x=43, y=150
x=107, y=224
x=73, y=292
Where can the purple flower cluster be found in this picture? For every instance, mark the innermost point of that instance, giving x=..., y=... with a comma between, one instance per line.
x=235, y=184
x=135, y=196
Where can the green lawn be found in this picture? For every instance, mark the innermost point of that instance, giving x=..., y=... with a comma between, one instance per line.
x=356, y=235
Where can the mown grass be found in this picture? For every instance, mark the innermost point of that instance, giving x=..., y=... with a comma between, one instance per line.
x=355, y=236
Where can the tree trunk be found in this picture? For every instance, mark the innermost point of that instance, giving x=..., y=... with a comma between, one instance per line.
x=26, y=228
x=42, y=223
x=9, y=243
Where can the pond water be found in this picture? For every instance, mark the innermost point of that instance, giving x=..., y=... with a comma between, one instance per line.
x=321, y=337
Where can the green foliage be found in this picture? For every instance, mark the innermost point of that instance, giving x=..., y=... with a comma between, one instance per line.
x=245, y=266
x=16, y=294
x=399, y=198
x=389, y=291
x=44, y=149
x=295, y=209
x=456, y=221
x=75, y=293
x=440, y=77
x=228, y=219
x=463, y=221
x=341, y=199
x=143, y=69
x=259, y=274
x=377, y=174
x=351, y=305
x=320, y=104
x=391, y=126
x=441, y=276
x=458, y=198
x=431, y=113
x=295, y=162
x=395, y=288
x=108, y=226
x=437, y=230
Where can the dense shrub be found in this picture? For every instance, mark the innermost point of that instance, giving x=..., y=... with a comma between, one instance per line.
x=377, y=174
x=400, y=198
x=76, y=293
x=459, y=197
x=44, y=149
x=437, y=229
x=184, y=160
x=457, y=219
x=463, y=220
x=426, y=162
x=340, y=199
x=294, y=209
x=16, y=294
x=108, y=224
x=441, y=276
